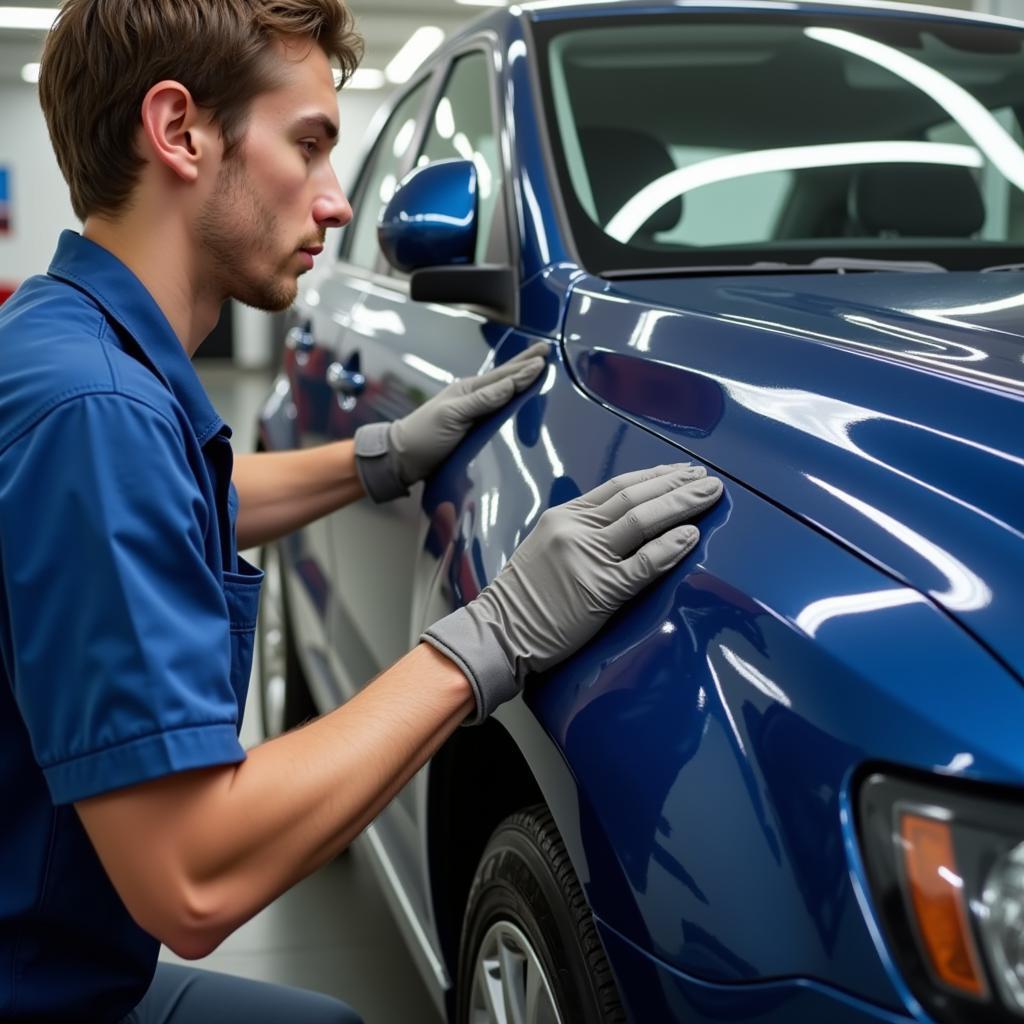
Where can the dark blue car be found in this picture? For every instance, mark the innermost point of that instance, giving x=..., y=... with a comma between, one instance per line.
x=784, y=240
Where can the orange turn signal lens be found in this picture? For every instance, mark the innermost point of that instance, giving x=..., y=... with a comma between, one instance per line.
x=936, y=892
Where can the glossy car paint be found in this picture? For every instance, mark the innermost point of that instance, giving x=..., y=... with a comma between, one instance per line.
x=843, y=398
x=440, y=204
x=850, y=603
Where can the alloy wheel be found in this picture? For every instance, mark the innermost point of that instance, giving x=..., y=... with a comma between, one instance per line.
x=510, y=985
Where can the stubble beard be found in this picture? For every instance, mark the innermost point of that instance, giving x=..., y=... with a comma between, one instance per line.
x=237, y=232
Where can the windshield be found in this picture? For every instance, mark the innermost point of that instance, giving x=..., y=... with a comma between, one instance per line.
x=686, y=140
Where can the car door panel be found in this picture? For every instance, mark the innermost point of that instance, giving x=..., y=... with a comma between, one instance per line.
x=308, y=353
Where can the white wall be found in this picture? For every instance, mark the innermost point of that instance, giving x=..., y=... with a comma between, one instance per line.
x=40, y=207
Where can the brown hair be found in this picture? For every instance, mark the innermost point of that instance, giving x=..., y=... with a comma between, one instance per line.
x=102, y=57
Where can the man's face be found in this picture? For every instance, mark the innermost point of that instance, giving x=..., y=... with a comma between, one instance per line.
x=277, y=194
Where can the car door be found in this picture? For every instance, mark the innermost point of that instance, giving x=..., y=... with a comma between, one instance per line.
x=406, y=352
x=321, y=379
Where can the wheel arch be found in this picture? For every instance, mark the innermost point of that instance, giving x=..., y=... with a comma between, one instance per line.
x=476, y=780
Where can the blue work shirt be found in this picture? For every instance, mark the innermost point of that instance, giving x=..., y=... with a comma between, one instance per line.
x=126, y=615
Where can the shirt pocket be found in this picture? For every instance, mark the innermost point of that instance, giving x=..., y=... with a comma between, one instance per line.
x=242, y=593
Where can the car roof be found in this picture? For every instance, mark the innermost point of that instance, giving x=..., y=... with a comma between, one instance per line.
x=543, y=10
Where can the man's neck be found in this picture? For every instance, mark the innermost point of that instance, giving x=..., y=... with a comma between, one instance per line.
x=161, y=257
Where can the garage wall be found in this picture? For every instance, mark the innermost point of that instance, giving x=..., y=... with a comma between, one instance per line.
x=40, y=207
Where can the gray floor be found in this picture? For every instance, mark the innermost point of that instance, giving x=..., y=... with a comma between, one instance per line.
x=333, y=932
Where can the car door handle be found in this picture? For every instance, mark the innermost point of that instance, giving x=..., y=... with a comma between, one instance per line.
x=300, y=340
x=345, y=382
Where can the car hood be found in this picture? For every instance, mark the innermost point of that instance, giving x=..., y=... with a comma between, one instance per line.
x=884, y=409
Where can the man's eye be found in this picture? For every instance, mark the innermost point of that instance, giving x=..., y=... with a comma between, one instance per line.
x=308, y=146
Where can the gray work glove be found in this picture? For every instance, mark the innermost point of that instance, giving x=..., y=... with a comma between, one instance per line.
x=391, y=456
x=578, y=566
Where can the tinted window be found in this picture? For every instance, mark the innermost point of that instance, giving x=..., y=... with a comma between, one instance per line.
x=463, y=128
x=380, y=177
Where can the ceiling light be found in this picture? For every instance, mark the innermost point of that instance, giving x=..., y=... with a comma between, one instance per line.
x=363, y=78
x=37, y=18
x=30, y=73
x=420, y=45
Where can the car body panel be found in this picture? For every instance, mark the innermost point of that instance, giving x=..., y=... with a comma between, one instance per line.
x=890, y=426
x=701, y=696
x=700, y=755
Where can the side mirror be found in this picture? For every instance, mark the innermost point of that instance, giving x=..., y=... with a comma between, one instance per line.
x=429, y=230
x=431, y=220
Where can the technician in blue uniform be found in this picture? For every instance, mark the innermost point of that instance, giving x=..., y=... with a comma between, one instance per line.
x=195, y=137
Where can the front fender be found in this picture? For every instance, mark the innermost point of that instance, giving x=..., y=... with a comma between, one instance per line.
x=694, y=754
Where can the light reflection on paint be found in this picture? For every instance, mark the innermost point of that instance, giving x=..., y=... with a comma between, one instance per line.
x=846, y=342
x=941, y=348
x=977, y=309
x=817, y=613
x=537, y=219
x=725, y=707
x=517, y=51
x=507, y=433
x=967, y=591
x=641, y=336
x=428, y=369
x=549, y=447
x=378, y=321
x=755, y=677
x=832, y=420
x=961, y=762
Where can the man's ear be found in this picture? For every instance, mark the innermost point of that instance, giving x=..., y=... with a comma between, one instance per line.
x=175, y=132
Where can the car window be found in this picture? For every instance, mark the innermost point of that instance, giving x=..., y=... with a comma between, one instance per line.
x=695, y=141
x=380, y=177
x=1004, y=204
x=462, y=128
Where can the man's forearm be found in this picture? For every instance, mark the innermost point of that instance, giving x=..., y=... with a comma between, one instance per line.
x=279, y=492
x=230, y=840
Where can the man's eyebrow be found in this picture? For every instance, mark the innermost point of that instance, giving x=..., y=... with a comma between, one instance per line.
x=319, y=122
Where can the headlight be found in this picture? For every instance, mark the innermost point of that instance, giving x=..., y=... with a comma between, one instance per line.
x=1002, y=925
x=946, y=868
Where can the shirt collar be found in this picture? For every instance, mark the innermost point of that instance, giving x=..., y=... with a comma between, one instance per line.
x=124, y=299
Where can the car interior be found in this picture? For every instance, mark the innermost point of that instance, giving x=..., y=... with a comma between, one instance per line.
x=633, y=104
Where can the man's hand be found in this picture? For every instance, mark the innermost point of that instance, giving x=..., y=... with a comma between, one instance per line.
x=392, y=456
x=579, y=565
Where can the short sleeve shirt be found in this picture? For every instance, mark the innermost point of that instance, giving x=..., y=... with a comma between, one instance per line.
x=126, y=614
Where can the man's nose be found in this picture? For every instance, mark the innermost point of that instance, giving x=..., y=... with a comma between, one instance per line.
x=332, y=209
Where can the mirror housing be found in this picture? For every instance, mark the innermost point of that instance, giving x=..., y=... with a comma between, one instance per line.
x=431, y=220
x=429, y=230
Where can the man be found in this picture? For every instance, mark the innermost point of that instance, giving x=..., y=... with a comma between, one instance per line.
x=195, y=137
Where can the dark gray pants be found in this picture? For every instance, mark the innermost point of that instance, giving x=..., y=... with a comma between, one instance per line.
x=185, y=995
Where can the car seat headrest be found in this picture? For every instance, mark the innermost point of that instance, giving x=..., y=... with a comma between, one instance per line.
x=926, y=200
x=620, y=162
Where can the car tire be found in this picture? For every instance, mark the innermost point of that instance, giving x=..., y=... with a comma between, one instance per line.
x=530, y=951
x=284, y=697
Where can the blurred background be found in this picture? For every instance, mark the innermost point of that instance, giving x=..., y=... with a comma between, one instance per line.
x=34, y=207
